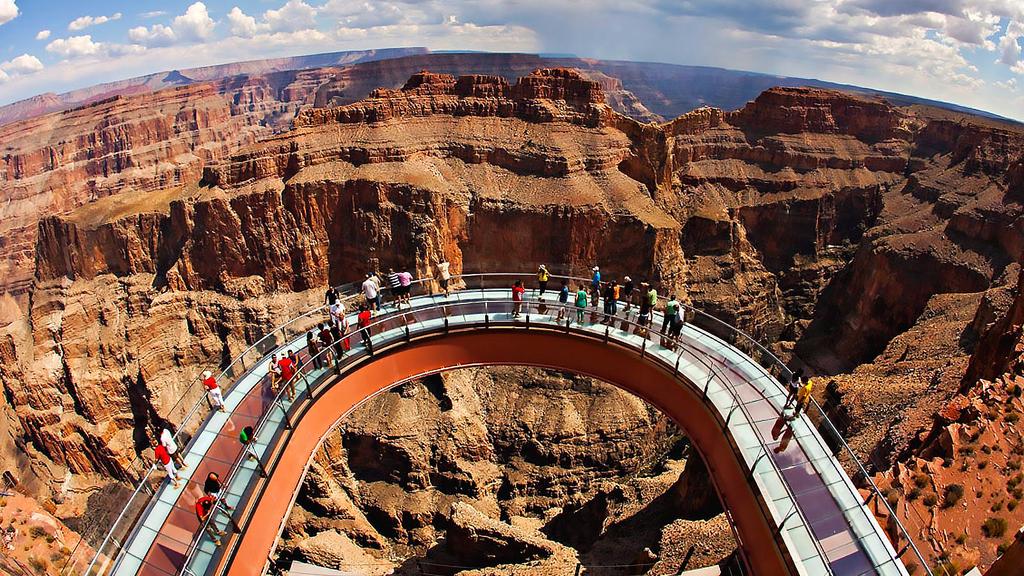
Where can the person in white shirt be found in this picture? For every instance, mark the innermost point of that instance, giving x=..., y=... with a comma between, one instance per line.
x=443, y=275
x=370, y=291
x=167, y=441
x=337, y=310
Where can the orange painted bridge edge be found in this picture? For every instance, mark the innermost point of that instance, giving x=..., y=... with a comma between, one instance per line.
x=616, y=365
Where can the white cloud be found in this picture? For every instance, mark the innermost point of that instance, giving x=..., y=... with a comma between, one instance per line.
x=153, y=14
x=241, y=23
x=1009, y=45
x=24, y=64
x=156, y=35
x=42, y=35
x=74, y=46
x=195, y=24
x=1010, y=85
x=8, y=11
x=293, y=16
x=84, y=22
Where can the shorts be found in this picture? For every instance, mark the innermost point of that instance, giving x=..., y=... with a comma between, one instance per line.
x=402, y=290
x=444, y=283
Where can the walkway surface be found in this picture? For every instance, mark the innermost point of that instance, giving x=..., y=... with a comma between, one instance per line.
x=826, y=529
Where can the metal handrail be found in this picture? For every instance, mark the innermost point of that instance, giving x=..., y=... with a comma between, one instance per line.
x=692, y=352
x=461, y=278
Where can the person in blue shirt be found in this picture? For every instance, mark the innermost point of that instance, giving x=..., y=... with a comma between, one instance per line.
x=595, y=285
x=563, y=299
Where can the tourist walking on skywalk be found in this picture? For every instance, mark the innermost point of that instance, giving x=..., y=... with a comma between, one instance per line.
x=542, y=278
x=163, y=458
x=323, y=336
x=444, y=276
x=167, y=441
x=286, y=367
x=671, y=307
x=404, y=286
x=371, y=292
x=581, y=304
x=627, y=293
x=517, y=298
x=793, y=386
x=313, y=348
x=337, y=310
x=213, y=391
x=212, y=487
x=803, y=397
x=205, y=506
x=563, y=300
x=595, y=286
x=331, y=296
x=364, y=319
x=611, y=294
x=274, y=374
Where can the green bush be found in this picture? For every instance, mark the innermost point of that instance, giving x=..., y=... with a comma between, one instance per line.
x=994, y=527
x=952, y=495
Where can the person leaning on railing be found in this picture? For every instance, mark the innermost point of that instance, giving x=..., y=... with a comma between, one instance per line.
x=213, y=391
x=204, y=511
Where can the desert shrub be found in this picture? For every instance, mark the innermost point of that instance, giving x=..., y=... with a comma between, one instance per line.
x=994, y=527
x=40, y=565
x=945, y=567
x=961, y=538
x=997, y=506
x=952, y=494
x=1017, y=493
x=986, y=449
x=1003, y=547
x=1012, y=505
x=37, y=532
x=1012, y=417
x=1013, y=482
x=913, y=493
x=892, y=497
x=983, y=464
x=967, y=451
x=921, y=480
x=947, y=462
x=930, y=499
x=979, y=494
x=1013, y=465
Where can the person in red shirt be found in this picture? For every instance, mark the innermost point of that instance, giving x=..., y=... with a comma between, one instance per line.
x=204, y=511
x=163, y=458
x=213, y=391
x=287, y=367
x=364, y=318
x=517, y=298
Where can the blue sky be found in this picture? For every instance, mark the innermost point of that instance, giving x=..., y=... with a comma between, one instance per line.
x=963, y=51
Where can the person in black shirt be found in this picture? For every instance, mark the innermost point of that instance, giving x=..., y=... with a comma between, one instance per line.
x=213, y=488
x=331, y=296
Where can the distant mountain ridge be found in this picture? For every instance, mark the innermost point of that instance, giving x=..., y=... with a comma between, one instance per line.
x=50, y=102
x=664, y=90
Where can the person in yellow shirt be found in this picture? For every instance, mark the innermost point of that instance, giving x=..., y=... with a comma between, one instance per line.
x=803, y=396
x=542, y=278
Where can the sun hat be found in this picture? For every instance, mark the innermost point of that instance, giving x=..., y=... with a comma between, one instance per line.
x=596, y=268
x=207, y=374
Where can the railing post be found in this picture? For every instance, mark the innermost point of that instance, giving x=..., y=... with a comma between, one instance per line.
x=643, y=349
x=446, y=324
x=675, y=370
x=287, y=422
x=607, y=330
x=527, y=320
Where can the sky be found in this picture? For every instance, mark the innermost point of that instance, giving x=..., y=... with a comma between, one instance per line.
x=964, y=51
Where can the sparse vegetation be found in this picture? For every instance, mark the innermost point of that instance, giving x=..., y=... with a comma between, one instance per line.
x=994, y=527
x=40, y=565
x=983, y=464
x=952, y=494
x=1012, y=505
x=1012, y=417
x=1013, y=465
x=986, y=449
x=1003, y=547
x=913, y=493
x=961, y=538
x=997, y=506
x=892, y=497
x=921, y=480
x=930, y=499
x=37, y=532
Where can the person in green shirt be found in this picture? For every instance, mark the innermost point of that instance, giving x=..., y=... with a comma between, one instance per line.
x=671, y=307
x=581, y=304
